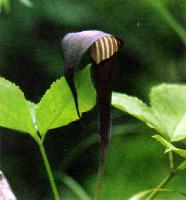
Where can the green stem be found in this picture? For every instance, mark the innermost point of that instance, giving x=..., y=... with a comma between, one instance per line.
x=103, y=151
x=166, y=180
x=49, y=172
x=171, y=161
x=72, y=184
x=160, y=186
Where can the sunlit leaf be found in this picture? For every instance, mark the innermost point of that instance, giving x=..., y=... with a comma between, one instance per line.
x=169, y=146
x=32, y=107
x=168, y=102
x=182, y=166
x=136, y=108
x=57, y=107
x=14, y=109
x=142, y=195
x=167, y=113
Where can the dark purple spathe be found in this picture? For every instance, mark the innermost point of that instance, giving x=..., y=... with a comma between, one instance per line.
x=74, y=45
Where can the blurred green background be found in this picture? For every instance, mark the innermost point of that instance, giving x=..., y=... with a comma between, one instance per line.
x=154, y=51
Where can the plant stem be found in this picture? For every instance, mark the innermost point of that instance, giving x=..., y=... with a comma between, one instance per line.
x=72, y=184
x=49, y=172
x=161, y=185
x=103, y=151
x=166, y=179
x=171, y=161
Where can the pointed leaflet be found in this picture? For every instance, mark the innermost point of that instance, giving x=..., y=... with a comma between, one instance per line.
x=168, y=102
x=136, y=108
x=14, y=110
x=167, y=113
x=169, y=146
x=57, y=107
x=181, y=166
x=143, y=195
x=140, y=195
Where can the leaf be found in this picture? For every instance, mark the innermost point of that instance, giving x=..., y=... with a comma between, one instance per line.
x=168, y=102
x=85, y=89
x=180, y=130
x=143, y=194
x=181, y=167
x=32, y=107
x=169, y=146
x=136, y=108
x=57, y=107
x=14, y=110
x=167, y=113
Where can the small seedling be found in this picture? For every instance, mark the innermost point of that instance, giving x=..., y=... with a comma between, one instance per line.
x=102, y=48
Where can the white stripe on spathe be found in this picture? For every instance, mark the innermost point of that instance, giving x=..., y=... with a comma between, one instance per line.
x=104, y=48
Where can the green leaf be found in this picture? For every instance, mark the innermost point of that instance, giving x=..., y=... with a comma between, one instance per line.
x=85, y=89
x=168, y=102
x=140, y=195
x=32, y=107
x=136, y=108
x=143, y=194
x=181, y=167
x=14, y=109
x=167, y=113
x=169, y=146
x=57, y=107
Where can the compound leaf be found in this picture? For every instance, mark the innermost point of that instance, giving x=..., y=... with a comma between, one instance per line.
x=57, y=107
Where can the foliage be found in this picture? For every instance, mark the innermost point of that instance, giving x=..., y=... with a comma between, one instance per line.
x=56, y=108
x=154, y=52
x=14, y=110
x=166, y=114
